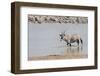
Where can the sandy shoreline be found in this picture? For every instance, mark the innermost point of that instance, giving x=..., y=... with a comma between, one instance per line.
x=65, y=56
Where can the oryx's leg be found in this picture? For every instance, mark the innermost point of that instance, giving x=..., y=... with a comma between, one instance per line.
x=81, y=41
x=77, y=42
x=66, y=42
x=69, y=42
x=81, y=44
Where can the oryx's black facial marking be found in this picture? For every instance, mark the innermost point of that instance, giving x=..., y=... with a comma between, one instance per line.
x=62, y=35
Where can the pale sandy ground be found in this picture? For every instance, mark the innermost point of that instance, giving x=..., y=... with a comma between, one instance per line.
x=74, y=55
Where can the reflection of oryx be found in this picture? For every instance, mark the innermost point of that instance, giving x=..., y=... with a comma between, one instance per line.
x=71, y=38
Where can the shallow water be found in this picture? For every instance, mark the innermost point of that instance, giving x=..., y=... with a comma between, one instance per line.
x=44, y=39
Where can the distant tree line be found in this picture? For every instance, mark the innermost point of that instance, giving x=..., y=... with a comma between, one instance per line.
x=57, y=19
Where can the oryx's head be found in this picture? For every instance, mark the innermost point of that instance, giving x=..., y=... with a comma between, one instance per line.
x=62, y=34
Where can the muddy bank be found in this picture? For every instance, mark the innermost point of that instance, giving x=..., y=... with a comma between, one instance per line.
x=65, y=56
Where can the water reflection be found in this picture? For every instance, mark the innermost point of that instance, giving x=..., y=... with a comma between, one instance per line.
x=73, y=49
